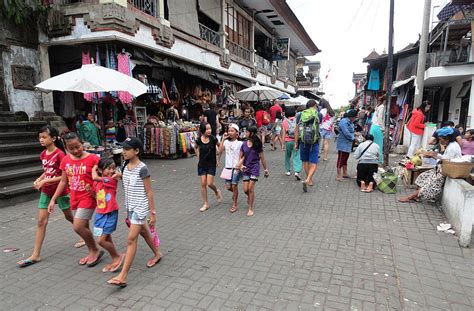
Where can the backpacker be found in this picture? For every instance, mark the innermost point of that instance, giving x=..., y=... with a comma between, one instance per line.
x=291, y=127
x=309, y=127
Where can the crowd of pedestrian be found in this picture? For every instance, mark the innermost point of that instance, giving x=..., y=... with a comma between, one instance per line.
x=82, y=184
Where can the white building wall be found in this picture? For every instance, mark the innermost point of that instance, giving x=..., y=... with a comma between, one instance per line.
x=28, y=101
x=181, y=49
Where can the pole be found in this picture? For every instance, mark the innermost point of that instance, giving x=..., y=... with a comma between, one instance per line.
x=388, y=101
x=420, y=72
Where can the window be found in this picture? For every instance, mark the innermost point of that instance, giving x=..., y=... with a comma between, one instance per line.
x=238, y=27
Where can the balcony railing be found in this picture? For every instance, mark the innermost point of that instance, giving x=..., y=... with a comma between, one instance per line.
x=263, y=63
x=146, y=6
x=449, y=57
x=209, y=35
x=239, y=51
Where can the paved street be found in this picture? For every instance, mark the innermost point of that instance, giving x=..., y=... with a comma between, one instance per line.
x=333, y=248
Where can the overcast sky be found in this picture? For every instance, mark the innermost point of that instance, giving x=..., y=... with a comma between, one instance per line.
x=348, y=30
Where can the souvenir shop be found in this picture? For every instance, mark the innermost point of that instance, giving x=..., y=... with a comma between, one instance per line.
x=166, y=118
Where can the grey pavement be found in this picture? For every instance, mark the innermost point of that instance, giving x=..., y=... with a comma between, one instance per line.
x=333, y=248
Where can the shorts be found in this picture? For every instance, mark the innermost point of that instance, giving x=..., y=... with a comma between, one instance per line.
x=309, y=153
x=105, y=223
x=277, y=130
x=63, y=202
x=236, y=176
x=325, y=134
x=206, y=171
x=84, y=213
x=263, y=130
x=248, y=178
x=134, y=220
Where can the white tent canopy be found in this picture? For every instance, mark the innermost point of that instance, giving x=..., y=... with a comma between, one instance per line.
x=297, y=101
x=93, y=78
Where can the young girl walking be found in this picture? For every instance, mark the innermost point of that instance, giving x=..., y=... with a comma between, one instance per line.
x=206, y=149
x=47, y=183
x=77, y=169
x=231, y=146
x=106, y=216
x=277, y=131
x=140, y=203
x=251, y=155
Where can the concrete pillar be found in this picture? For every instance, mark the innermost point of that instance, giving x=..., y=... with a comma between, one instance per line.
x=161, y=8
x=47, y=98
x=252, y=38
x=222, y=28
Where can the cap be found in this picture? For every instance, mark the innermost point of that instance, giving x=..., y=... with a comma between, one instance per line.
x=132, y=143
x=234, y=126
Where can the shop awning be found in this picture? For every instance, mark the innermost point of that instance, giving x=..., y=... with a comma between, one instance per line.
x=230, y=78
x=398, y=84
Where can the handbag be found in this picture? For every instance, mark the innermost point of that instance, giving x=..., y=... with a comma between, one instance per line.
x=388, y=183
x=227, y=173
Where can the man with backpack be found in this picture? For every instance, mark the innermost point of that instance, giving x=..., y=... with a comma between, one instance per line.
x=307, y=132
x=288, y=132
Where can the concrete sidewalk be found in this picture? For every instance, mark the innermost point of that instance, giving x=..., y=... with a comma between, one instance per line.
x=333, y=248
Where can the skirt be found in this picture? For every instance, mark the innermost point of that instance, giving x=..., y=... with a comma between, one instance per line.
x=431, y=184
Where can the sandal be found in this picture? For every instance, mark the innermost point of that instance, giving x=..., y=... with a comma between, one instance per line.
x=97, y=260
x=83, y=260
x=27, y=262
x=204, y=208
x=152, y=262
x=233, y=209
x=122, y=257
x=80, y=244
x=115, y=282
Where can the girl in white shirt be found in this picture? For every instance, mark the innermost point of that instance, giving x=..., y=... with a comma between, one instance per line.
x=378, y=124
x=231, y=146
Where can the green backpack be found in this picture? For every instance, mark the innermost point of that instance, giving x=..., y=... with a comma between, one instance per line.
x=309, y=127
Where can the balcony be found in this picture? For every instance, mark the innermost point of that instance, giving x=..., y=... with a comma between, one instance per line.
x=449, y=57
x=239, y=51
x=146, y=6
x=209, y=35
x=264, y=64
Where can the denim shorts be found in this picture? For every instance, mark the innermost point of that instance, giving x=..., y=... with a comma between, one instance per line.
x=134, y=220
x=206, y=171
x=236, y=176
x=105, y=223
x=309, y=153
x=325, y=134
x=248, y=178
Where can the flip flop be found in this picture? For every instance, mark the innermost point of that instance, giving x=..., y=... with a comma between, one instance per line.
x=98, y=259
x=204, y=208
x=305, y=186
x=233, y=209
x=83, y=260
x=106, y=268
x=148, y=265
x=122, y=257
x=79, y=244
x=117, y=284
x=27, y=262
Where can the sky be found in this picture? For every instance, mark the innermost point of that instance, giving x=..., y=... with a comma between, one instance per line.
x=348, y=30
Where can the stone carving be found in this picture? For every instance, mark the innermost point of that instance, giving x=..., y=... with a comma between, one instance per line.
x=225, y=60
x=23, y=77
x=112, y=10
x=163, y=36
x=254, y=71
x=58, y=24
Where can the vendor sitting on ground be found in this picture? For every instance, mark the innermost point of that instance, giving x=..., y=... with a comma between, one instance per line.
x=367, y=154
x=430, y=183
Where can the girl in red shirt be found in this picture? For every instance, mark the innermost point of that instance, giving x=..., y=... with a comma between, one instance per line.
x=47, y=183
x=77, y=169
x=106, y=216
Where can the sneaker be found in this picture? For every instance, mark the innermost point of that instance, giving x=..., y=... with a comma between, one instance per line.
x=297, y=176
x=288, y=173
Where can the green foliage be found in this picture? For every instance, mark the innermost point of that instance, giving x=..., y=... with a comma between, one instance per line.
x=19, y=12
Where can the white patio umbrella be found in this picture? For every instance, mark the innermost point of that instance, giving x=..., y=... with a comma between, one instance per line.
x=91, y=79
x=258, y=92
x=296, y=101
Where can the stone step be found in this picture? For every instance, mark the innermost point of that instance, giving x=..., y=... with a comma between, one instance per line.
x=20, y=160
x=7, y=137
x=20, y=175
x=24, y=147
x=21, y=126
x=17, y=193
x=7, y=116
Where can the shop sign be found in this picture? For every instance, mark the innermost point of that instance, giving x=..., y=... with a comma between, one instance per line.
x=281, y=49
x=23, y=77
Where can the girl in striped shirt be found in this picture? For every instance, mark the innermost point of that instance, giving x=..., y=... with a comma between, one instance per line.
x=140, y=204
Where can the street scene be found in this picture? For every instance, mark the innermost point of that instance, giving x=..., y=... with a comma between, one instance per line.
x=236, y=155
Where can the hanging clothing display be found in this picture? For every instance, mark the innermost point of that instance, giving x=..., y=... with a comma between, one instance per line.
x=86, y=60
x=374, y=80
x=123, y=60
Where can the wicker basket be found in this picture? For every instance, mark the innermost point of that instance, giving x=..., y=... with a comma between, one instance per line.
x=456, y=169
